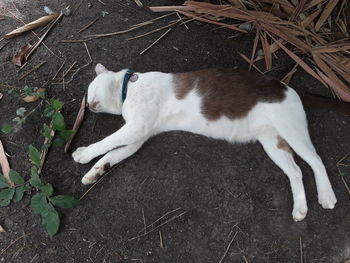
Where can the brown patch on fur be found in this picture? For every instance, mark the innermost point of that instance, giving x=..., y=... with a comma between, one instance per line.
x=107, y=166
x=283, y=145
x=229, y=92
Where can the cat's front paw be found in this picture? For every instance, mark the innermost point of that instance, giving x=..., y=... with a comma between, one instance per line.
x=82, y=155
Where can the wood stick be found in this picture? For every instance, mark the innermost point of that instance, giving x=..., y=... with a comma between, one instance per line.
x=89, y=25
x=142, y=52
x=32, y=70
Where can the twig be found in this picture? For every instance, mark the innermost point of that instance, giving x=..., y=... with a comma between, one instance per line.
x=74, y=40
x=139, y=3
x=44, y=152
x=101, y=2
x=111, y=34
x=152, y=20
x=228, y=247
x=58, y=71
x=84, y=66
x=43, y=36
x=166, y=222
x=5, y=166
x=103, y=176
x=13, y=242
x=161, y=240
x=153, y=31
x=142, y=52
x=67, y=71
x=32, y=70
x=301, y=250
x=182, y=20
x=160, y=218
x=144, y=219
x=89, y=25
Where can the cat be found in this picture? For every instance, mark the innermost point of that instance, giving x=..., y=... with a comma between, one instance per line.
x=230, y=104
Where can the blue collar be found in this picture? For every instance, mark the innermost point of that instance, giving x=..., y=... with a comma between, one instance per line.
x=127, y=76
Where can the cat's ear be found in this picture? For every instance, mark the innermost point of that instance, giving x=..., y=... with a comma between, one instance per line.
x=100, y=69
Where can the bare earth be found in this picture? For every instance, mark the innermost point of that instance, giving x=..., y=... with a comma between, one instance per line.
x=224, y=189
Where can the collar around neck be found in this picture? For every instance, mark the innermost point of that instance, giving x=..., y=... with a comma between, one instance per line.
x=127, y=76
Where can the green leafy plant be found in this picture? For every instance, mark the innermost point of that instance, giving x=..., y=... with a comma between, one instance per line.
x=43, y=202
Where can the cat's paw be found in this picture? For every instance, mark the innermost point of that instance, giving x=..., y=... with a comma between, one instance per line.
x=92, y=176
x=327, y=199
x=82, y=155
x=299, y=211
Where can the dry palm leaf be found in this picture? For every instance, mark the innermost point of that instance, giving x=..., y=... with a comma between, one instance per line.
x=34, y=97
x=77, y=123
x=326, y=13
x=32, y=25
x=5, y=166
x=20, y=57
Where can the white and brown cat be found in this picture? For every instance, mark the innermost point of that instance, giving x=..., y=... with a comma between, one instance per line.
x=229, y=104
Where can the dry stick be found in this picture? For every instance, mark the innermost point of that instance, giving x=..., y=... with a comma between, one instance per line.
x=160, y=218
x=139, y=3
x=101, y=2
x=142, y=52
x=153, y=31
x=111, y=34
x=89, y=25
x=74, y=40
x=248, y=60
x=67, y=71
x=84, y=66
x=5, y=166
x=144, y=219
x=152, y=20
x=13, y=242
x=77, y=123
x=182, y=21
x=301, y=250
x=32, y=70
x=44, y=152
x=58, y=71
x=43, y=36
x=161, y=240
x=103, y=176
x=166, y=222
x=228, y=247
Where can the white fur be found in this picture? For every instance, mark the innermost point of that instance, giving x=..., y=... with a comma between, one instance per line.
x=151, y=107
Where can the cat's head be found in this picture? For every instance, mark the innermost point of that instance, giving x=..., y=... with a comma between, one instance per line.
x=104, y=92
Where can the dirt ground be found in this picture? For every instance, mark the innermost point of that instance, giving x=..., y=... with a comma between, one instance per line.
x=222, y=189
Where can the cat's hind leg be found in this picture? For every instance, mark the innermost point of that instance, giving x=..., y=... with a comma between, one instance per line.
x=282, y=156
x=111, y=158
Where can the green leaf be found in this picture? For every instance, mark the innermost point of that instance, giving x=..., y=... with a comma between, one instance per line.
x=58, y=142
x=39, y=203
x=7, y=195
x=57, y=104
x=47, y=132
x=42, y=94
x=50, y=220
x=28, y=91
x=20, y=111
x=7, y=128
x=17, y=120
x=15, y=177
x=4, y=202
x=49, y=111
x=64, y=201
x=58, y=122
x=34, y=155
x=20, y=192
x=35, y=181
x=3, y=182
x=45, y=146
x=65, y=134
x=47, y=189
